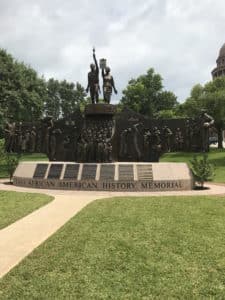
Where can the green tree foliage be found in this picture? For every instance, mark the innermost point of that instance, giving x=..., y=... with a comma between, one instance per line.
x=8, y=159
x=72, y=95
x=24, y=96
x=145, y=95
x=12, y=162
x=167, y=114
x=214, y=101
x=64, y=98
x=53, y=101
x=211, y=97
x=202, y=169
x=2, y=151
x=22, y=92
x=192, y=106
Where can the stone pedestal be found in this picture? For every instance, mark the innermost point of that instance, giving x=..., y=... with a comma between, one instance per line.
x=96, y=140
x=104, y=176
x=100, y=109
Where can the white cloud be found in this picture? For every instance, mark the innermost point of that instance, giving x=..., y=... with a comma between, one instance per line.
x=180, y=39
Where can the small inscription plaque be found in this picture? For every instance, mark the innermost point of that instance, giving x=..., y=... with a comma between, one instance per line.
x=40, y=171
x=126, y=172
x=144, y=172
x=89, y=171
x=55, y=171
x=71, y=171
x=107, y=172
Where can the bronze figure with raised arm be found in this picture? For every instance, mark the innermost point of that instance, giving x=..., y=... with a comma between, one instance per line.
x=108, y=84
x=93, y=80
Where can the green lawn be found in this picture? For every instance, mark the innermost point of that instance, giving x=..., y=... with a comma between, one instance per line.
x=216, y=157
x=14, y=206
x=24, y=157
x=129, y=248
x=33, y=156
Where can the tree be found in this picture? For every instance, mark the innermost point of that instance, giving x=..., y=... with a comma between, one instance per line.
x=53, y=100
x=145, y=95
x=167, y=114
x=2, y=151
x=64, y=98
x=2, y=118
x=22, y=91
x=210, y=97
x=213, y=100
x=24, y=96
x=192, y=106
x=72, y=96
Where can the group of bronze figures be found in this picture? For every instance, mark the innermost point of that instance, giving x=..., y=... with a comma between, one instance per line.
x=108, y=138
x=144, y=144
x=95, y=143
x=93, y=81
x=18, y=140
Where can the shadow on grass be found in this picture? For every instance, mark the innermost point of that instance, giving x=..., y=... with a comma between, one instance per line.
x=200, y=188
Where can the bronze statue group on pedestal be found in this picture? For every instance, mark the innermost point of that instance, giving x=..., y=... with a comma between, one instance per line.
x=102, y=135
x=93, y=81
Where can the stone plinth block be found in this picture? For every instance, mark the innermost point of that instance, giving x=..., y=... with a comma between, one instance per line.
x=100, y=109
x=104, y=177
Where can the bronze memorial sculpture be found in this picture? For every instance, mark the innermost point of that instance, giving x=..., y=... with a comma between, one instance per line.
x=108, y=84
x=93, y=80
x=102, y=149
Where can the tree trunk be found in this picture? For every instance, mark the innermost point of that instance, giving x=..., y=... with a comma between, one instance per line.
x=202, y=184
x=220, y=137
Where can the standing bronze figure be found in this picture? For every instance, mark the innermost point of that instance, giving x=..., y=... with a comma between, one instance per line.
x=204, y=122
x=108, y=84
x=93, y=80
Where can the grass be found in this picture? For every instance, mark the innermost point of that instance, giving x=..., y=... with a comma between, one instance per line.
x=216, y=157
x=129, y=248
x=33, y=156
x=24, y=157
x=14, y=206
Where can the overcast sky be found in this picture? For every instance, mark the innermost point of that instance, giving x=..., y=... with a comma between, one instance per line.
x=180, y=39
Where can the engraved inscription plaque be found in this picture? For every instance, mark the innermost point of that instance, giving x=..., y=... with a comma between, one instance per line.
x=107, y=172
x=71, y=171
x=89, y=171
x=144, y=172
x=55, y=171
x=126, y=172
x=40, y=171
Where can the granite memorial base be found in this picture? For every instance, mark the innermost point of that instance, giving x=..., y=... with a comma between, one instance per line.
x=118, y=176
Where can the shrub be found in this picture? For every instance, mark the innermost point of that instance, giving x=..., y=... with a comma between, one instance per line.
x=8, y=159
x=12, y=161
x=202, y=169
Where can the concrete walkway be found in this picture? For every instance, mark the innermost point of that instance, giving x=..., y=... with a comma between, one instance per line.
x=22, y=237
